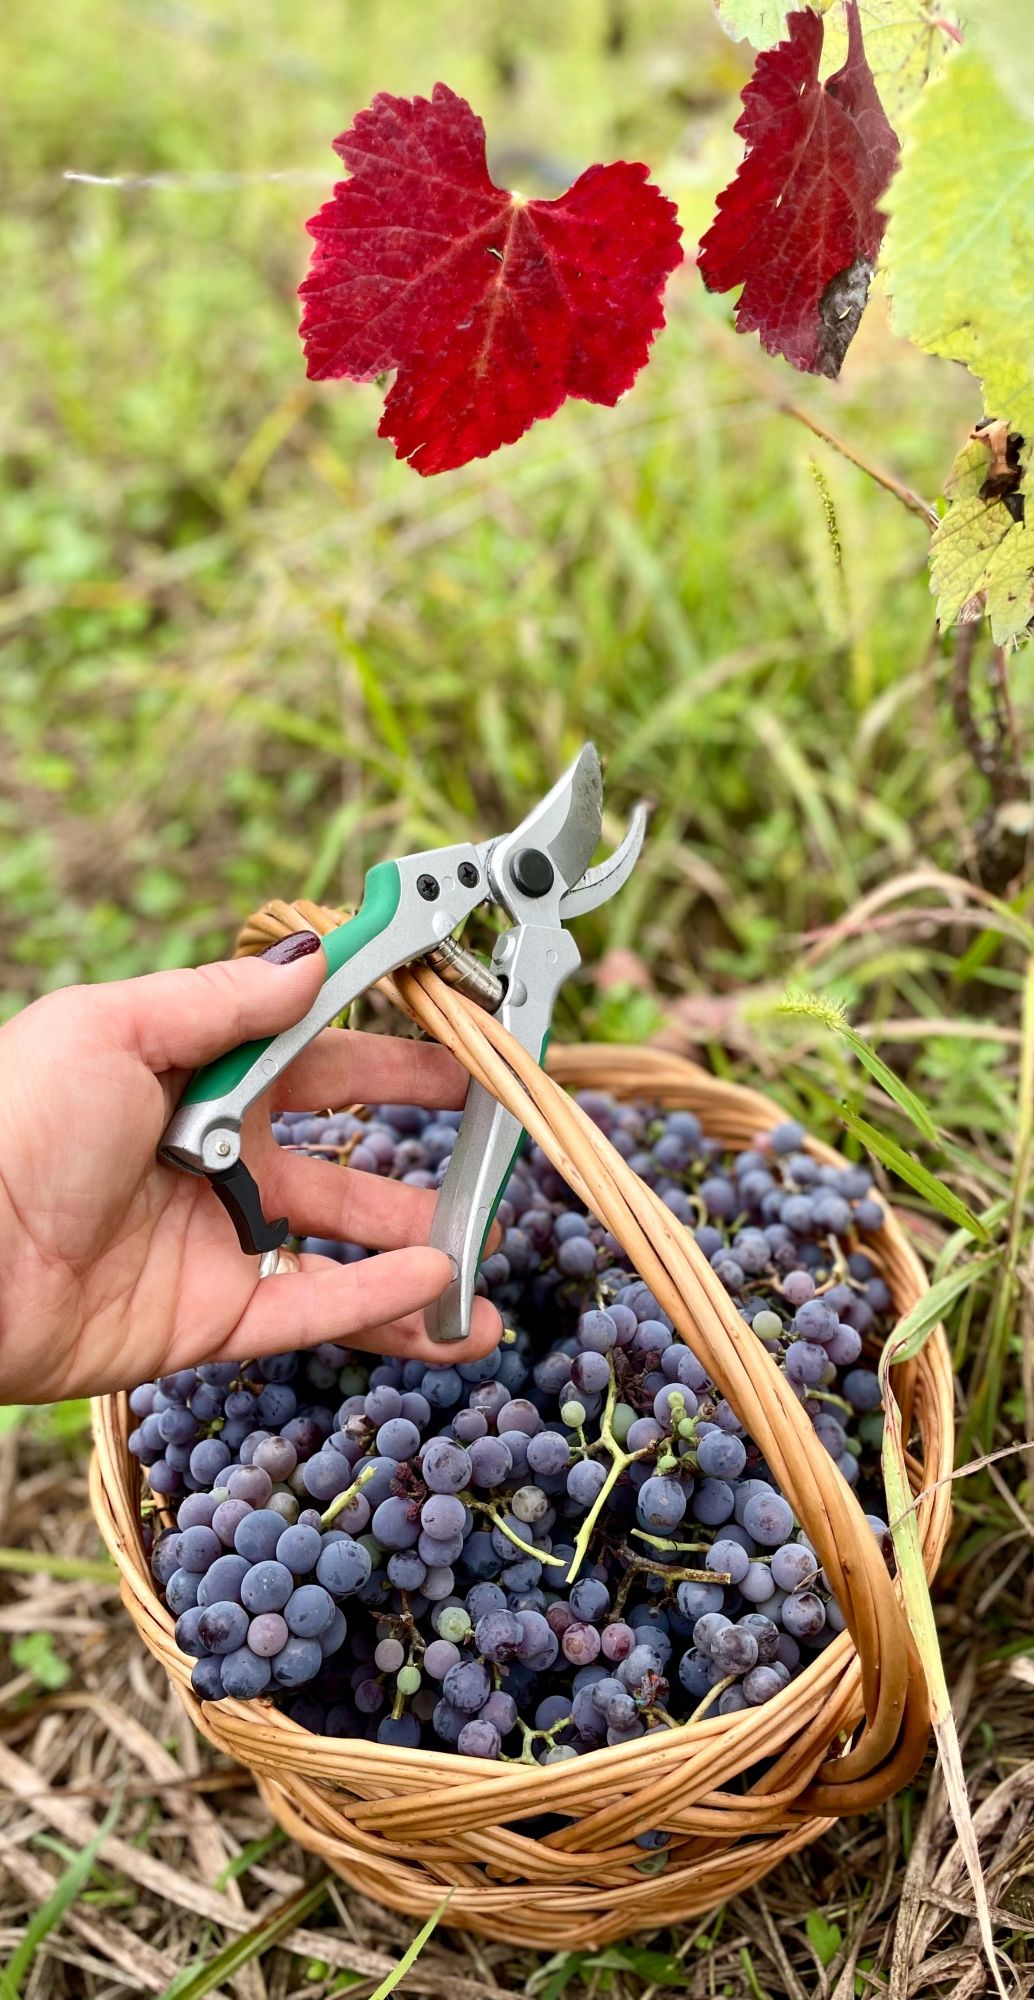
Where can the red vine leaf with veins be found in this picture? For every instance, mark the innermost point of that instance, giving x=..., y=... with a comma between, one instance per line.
x=490, y=309
x=799, y=227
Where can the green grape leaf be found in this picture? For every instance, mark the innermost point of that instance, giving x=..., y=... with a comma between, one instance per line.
x=1000, y=30
x=957, y=254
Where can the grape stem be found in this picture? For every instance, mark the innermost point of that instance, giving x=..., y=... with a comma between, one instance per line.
x=827, y=1396
x=532, y=1736
x=712, y=1695
x=670, y=1548
x=399, y=1702
x=655, y=1713
x=677, y=1574
x=343, y=1500
x=620, y=1460
x=526, y=1548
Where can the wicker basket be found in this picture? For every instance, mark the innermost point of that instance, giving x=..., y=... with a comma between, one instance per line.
x=403, y=1826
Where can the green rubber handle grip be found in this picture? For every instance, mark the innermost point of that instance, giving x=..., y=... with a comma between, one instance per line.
x=381, y=897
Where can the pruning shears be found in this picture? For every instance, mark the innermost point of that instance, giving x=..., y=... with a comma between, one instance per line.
x=539, y=874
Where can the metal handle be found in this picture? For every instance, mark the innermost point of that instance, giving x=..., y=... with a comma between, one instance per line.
x=534, y=962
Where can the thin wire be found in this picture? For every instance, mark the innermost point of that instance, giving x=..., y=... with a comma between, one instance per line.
x=217, y=181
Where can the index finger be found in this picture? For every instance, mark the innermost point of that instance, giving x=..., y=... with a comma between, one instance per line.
x=344, y=1067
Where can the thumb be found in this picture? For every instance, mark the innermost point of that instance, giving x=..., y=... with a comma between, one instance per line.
x=180, y=1020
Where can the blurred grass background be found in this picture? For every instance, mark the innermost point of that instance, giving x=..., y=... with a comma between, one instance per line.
x=246, y=653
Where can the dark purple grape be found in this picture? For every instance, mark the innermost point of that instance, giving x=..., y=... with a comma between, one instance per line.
x=245, y=1674
x=479, y=1738
x=297, y=1662
x=223, y=1626
x=308, y=1610
x=206, y=1679
x=266, y=1587
x=299, y=1549
x=257, y=1535
x=343, y=1566
x=445, y=1467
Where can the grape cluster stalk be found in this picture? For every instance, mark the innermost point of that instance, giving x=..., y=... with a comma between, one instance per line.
x=567, y=1544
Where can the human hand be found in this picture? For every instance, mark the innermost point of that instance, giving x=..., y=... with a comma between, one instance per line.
x=117, y=1268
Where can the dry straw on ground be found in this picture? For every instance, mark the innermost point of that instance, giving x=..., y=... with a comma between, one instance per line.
x=402, y=1826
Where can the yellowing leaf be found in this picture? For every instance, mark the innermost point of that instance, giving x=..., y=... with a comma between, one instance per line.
x=1000, y=29
x=757, y=21
x=958, y=255
x=905, y=42
x=960, y=245
x=979, y=548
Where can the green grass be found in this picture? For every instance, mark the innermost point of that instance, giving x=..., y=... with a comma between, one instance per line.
x=248, y=654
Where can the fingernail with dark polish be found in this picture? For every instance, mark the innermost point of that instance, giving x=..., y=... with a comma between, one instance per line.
x=300, y=944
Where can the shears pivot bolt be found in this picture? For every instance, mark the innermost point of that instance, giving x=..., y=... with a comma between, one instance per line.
x=532, y=871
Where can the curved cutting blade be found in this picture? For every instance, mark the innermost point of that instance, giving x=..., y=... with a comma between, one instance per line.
x=597, y=885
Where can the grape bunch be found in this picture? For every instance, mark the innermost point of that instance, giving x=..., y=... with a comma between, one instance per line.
x=567, y=1544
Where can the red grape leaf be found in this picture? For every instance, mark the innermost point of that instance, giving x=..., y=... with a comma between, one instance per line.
x=799, y=227
x=490, y=308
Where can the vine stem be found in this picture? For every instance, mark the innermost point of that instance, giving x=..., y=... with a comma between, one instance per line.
x=729, y=347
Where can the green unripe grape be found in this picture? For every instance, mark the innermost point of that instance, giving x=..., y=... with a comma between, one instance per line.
x=454, y=1624
x=573, y=1415
x=408, y=1680
x=353, y=1381
x=622, y=1420
x=373, y=1549
x=870, y=1428
x=767, y=1325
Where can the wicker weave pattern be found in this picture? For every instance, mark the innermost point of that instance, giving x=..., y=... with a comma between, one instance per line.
x=402, y=1825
